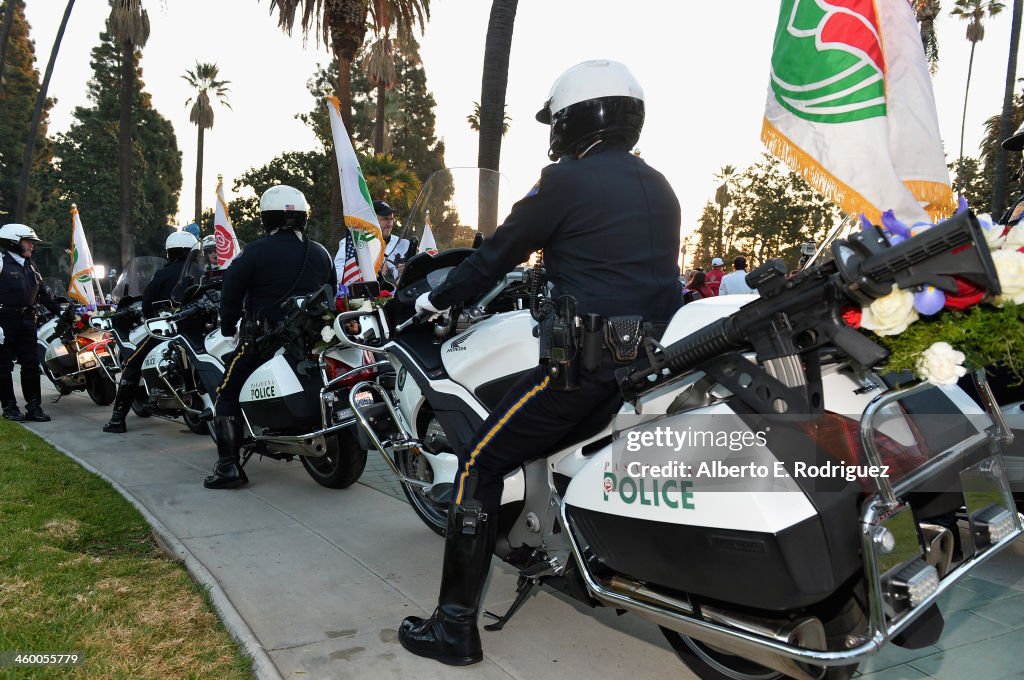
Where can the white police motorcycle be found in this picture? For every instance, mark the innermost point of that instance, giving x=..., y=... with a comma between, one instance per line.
x=845, y=509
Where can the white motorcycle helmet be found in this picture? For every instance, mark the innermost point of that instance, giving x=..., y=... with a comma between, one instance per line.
x=178, y=244
x=11, y=235
x=210, y=252
x=283, y=207
x=598, y=99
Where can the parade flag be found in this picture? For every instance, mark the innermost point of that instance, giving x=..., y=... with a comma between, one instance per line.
x=82, y=282
x=227, y=242
x=428, y=244
x=360, y=217
x=851, y=108
x=347, y=264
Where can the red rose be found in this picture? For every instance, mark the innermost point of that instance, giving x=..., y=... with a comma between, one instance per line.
x=386, y=294
x=851, y=315
x=967, y=295
x=79, y=325
x=340, y=305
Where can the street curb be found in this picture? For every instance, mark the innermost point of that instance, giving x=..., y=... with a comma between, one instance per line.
x=262, y=665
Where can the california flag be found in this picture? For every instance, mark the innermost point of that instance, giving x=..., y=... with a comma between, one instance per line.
x=227, y=242
x=428, y=244
x=360, y=217
x=850, y=108
x=82, y=286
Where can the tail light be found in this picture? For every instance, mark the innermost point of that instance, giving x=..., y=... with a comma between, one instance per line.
x=83, y=343
x=335, y=368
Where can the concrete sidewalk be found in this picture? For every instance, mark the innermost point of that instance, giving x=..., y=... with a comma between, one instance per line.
x=324, y=577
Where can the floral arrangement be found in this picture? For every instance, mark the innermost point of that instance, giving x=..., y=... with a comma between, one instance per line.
x=343, y=303
x=940, y=336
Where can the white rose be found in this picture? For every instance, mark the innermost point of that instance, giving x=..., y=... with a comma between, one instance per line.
x=890, y=315
x=1010, y=268
x=940, y=364
x=327, y=334
x=993, y=232
x=1015, y=239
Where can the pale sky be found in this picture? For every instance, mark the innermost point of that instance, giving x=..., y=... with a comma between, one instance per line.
x=703, y=67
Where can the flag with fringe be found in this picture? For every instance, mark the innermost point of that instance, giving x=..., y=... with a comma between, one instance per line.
x=428, y=244
x=851, y=108
x=227, y=242
x=82, y=287
x=360, y=217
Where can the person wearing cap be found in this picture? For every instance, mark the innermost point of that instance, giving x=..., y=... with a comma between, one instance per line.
x=609, y=227
x=736, y=282
x=1015, y=212
x=715, y=276
x=395, y=249
x=20, y=290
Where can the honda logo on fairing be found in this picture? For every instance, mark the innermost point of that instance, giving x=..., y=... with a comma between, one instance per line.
x=457, y=344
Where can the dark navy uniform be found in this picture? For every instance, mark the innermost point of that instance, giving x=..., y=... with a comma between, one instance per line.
x=609, y=227
x=160, y=288
x=20, y=290
x=270, y=270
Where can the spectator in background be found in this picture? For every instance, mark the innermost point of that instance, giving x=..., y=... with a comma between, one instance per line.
x=698, y=284
x=716, y=275
x=736, y=282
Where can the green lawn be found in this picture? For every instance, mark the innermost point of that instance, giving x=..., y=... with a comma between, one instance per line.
x=80, y=572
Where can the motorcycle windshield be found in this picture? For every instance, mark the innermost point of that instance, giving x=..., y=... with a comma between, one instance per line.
x=200, y=268
x=56, y=287
x=134, y=279
x=453, y=207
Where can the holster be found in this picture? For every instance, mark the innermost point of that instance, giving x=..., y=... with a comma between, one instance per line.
x=623, y=335
x=559, y=351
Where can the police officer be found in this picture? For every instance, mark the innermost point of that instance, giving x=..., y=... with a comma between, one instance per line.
x=282, y=264
x=20, y=289
x=609, y=228
x=1016, y=211
x=177, y=246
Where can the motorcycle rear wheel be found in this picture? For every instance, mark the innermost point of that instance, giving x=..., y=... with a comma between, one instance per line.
x=343, y=464
x=414, y=465
x=100, y=390
x=708, y=663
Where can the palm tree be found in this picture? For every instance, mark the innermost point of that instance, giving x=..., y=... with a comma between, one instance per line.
x=37, y=116
x=129, y=25
x=727, y=175
x=973, y=12
x=497, y=49
x=391, y=180
x=204, y=79
x=474, y=120
x=927, y=12
x=1002, y=171
x=5, y=32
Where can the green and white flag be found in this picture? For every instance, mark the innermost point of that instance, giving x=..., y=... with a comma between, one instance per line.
x=360, y=217
x=851, y=108
x=82, y=287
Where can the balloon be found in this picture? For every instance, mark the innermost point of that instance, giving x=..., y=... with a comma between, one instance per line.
x=895, y=239
x=894, y=225
x=920, y=227
x=930, y=300
x=961, y=205
x=865, y=223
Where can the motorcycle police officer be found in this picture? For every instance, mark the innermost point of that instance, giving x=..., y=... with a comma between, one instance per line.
x=177, y=246
x=284, y=263
x=1015, y=212
x=609, y=228
x=20, y=289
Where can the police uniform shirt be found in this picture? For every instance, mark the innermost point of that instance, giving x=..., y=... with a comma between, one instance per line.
x=270, y=268
x=1015, y=213
x=21, y=286
x=162, y=286
x=609, y=227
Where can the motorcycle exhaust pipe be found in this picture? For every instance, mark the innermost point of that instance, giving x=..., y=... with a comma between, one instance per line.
x=807, y=632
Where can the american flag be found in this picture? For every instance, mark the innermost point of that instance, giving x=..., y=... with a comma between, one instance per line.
x=350, y=274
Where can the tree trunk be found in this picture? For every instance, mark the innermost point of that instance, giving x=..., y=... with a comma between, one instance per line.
x=719, y=236
x=37, y=116
x=5, y=32
x=963, y=121
x=124, y=144
x=378, y=125
x=1002, y=173
x=199, y=177
x=497, y=48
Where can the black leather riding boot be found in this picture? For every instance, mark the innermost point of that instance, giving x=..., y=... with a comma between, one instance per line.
x=228, y=472
x=34, y=411
x=122, y=405
x=451, y=635
x=8, y=400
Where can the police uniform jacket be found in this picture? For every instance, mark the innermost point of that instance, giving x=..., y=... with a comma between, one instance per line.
x=21, y=288
x=162, y=286
x=269, y=270
x=609, y=227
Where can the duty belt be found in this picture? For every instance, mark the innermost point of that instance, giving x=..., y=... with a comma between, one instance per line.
x=17, y=309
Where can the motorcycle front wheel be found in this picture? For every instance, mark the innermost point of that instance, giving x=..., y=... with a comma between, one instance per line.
x=100, y=390
x=841, y=620
x=341, y=466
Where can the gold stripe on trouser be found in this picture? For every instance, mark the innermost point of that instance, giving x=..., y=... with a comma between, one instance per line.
x=137, y=349
x=227, y=376
x=494, y=431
